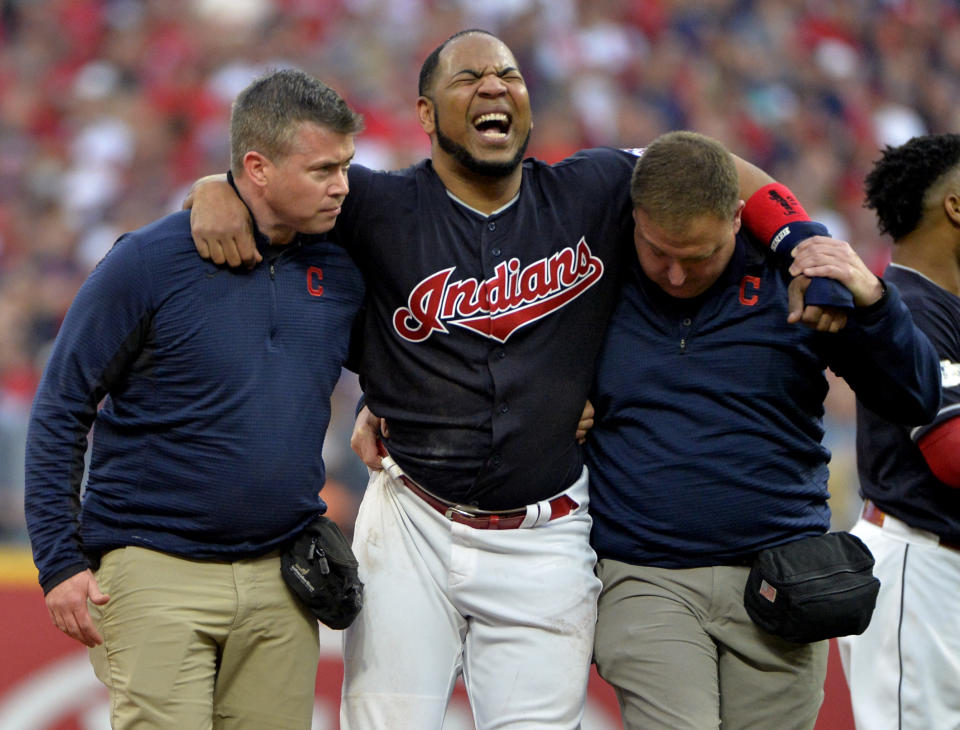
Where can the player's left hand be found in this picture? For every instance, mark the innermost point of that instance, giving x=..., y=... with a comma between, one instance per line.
x=366, y=434
x=585, y=423
x=221, y=227
x=822, y=319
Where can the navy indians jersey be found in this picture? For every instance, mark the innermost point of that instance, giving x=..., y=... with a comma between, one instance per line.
x=893, y=472
x=482, y=331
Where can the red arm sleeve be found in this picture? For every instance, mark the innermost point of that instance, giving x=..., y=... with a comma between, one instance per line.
x=941, y=448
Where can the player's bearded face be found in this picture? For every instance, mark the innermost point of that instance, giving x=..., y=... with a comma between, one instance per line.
x=479, y=108
x=488, y=168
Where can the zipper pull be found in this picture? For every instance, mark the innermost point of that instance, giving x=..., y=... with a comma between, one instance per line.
x=324, y=565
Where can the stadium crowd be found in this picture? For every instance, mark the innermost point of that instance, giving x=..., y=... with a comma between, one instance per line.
x=109, y=109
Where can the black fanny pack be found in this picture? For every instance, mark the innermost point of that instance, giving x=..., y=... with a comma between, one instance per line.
x=814, y=588
x=320, y=568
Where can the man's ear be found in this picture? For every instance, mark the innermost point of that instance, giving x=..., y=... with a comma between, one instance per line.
x=426, y=115
x=255, y=166
x=738, y=217
x=951, y=206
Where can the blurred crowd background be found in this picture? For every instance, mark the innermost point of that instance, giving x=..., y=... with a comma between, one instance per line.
x=109, y=109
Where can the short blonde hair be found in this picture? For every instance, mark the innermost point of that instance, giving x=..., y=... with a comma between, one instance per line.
x=685, y=175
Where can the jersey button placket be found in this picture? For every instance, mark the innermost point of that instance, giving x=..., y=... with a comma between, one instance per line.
x=685, y=325
x=492, y=236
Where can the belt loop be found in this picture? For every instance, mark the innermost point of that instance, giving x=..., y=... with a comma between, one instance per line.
x=546, y=511
x=533, y=515
x=537, y=514
x=393, y=469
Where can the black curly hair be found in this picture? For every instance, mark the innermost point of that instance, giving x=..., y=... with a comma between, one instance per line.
x=900, y=179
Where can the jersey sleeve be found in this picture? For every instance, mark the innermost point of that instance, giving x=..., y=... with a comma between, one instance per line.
x=940, y=447
x=944, y=333
x=101, y=333
x=939, y=441
x=889, y=362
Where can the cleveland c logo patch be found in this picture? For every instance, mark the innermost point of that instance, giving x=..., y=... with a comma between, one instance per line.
x=496, y=308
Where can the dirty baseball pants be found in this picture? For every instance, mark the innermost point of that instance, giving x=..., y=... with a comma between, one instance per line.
x=193, y=645
x=512, y=609
x=904, y=670
x=682, y=654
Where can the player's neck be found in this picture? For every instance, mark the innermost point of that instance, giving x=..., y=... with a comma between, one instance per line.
x=934, y=256
x=482, y=193
x=277, y=233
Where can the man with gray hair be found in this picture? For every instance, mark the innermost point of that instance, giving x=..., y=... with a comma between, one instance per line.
x=168, y=565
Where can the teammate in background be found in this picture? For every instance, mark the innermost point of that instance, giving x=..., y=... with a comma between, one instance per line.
x=707, y=448
x=903, y=671
x=195, y=480
x=491, y=280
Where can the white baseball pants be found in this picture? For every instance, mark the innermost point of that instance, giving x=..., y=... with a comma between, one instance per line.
x=513, y=610
x=904, y=670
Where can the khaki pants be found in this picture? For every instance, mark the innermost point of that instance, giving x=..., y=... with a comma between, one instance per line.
x=682, y=654
x=203, y=644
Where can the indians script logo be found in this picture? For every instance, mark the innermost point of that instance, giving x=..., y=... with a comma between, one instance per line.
x=496, y=308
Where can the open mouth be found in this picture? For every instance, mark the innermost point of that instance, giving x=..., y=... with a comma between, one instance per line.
x=493, y=125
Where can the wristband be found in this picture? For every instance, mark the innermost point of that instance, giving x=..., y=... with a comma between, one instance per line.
x=770, y=209
x=774, y=216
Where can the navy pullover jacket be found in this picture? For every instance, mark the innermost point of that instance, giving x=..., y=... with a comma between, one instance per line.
x=217, y=385
x=708, y=444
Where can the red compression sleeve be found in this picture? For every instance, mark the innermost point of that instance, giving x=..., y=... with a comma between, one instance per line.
x=941, y=448
x=775, y=217
x=771, y=208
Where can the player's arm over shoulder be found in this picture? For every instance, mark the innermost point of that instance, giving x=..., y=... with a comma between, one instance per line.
x=751, y=177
